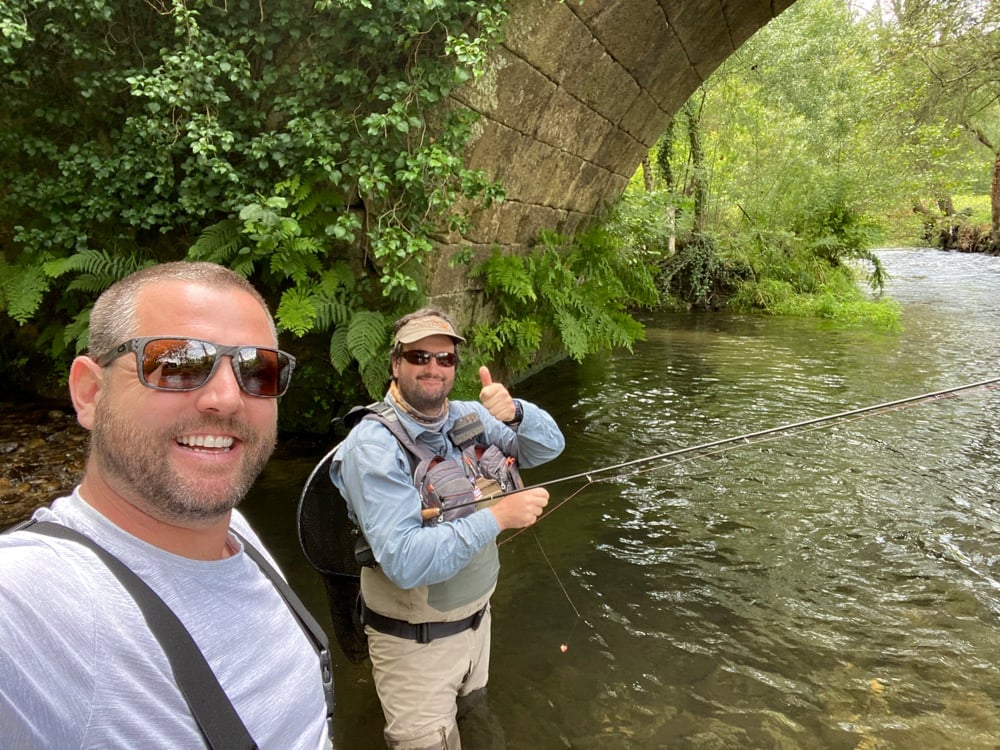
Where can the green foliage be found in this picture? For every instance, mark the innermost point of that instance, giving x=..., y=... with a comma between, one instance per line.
x=21, y=289
x=787, y=276
x=572, y=295
x=365, y=340
x=977, y=207
x=836, y=232
x=95, y=270
x=698, y=276
x=809, y=268
x=310, y=147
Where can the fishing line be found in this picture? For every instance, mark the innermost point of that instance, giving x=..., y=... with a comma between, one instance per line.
x=698, y=455
x=565, y=645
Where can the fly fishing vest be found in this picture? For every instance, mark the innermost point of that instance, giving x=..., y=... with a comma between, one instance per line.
x=448, y=490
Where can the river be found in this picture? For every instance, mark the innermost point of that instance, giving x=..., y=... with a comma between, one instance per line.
x=828, y=588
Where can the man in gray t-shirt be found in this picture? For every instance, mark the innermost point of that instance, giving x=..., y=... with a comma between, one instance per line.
x=179, y=390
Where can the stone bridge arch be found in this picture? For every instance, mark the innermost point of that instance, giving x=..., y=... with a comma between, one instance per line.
x=571, y=103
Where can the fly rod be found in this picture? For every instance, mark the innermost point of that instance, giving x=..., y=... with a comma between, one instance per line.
x=746, y=438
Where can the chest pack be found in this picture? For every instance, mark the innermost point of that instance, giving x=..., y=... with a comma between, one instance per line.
x=451, y=489
x=448, y=489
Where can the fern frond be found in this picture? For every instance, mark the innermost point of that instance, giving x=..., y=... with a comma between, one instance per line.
x=23, y=288
x=296, y=311
x=574, y=335
x=367, y=336
x=338, y=275
x=340, y=355
x=330, y=296
x=98, y=269
x=330, y=313
x=244, y=263
x=217, y=243
x=76, y=332
x=506, y=275
x=375, y=376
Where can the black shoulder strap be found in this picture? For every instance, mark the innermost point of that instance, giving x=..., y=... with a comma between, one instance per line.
x=208, y=702
x=314, y=632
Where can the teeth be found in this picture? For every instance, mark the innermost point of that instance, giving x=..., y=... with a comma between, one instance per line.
x=206, y=441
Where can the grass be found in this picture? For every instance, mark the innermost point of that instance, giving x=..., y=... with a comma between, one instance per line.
x=979, y=205
x=903, y=227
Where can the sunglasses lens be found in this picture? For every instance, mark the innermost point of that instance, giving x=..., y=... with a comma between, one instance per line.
x=420, y=357
x=263, y=372
x=177, y=364
x=416, y=357
x=187, y=364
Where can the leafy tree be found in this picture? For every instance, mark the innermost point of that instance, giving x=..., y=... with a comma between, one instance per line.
x=948, y=53
x=306, y=144
x=789, y=155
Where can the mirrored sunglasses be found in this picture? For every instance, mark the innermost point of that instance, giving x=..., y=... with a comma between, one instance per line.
x=420, y=357
x=175, y=363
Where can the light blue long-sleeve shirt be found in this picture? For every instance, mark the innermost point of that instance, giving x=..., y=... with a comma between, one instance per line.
x=372, y=471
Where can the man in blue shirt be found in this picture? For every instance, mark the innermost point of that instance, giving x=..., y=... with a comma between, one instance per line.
x=426, y=599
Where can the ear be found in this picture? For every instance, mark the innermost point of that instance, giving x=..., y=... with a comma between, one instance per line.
x=85, y=379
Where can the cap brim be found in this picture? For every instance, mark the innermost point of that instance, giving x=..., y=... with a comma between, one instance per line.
x=424, y=327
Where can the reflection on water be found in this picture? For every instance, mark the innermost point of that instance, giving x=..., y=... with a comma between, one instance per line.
x=829, y=588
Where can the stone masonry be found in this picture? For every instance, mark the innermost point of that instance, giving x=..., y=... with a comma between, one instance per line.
x=569, y=106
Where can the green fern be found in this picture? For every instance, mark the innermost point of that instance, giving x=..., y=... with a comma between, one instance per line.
x=330, y=312
x=363, y=340
x=367, y=336
x=23, y=289
x=296, y=311
x=218, y=243
x=581, y=290
x=507, y=274
x=76, y=332
x=375, y=376
x=340, y=354
x=98, y=269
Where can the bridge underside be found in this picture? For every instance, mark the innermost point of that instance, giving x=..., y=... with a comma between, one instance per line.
x=570, y=105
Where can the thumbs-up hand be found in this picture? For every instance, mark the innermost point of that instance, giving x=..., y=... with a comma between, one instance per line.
x=495, y=397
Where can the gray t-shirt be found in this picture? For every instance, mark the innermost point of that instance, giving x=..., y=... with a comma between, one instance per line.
x=79, y=667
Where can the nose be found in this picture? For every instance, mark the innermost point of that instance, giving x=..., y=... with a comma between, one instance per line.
x=222, y=391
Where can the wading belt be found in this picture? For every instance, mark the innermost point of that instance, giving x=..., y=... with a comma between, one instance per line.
x=212, y=710
x=421, y=632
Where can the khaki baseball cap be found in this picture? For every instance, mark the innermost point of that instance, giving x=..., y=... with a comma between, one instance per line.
x=430, y=325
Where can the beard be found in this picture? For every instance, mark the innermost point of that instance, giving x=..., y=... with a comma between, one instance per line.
x=134, y=461
x=427, y=394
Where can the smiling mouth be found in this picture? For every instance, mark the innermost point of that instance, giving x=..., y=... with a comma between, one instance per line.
x=209, y=442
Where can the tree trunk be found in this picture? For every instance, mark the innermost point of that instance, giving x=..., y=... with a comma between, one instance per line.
x=699, y=188
x=995, y=201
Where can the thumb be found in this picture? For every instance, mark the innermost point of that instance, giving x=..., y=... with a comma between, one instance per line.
x=484, y=376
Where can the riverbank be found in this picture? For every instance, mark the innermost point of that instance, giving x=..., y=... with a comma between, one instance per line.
x=43, y=451
x=42, y=455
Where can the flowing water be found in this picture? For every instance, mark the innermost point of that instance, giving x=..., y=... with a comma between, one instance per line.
x=835, y=587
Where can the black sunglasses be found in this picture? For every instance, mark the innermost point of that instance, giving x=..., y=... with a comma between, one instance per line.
x=420, y=357
x=177, y=363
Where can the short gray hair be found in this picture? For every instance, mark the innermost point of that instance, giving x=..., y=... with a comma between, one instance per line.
x=113, y=317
